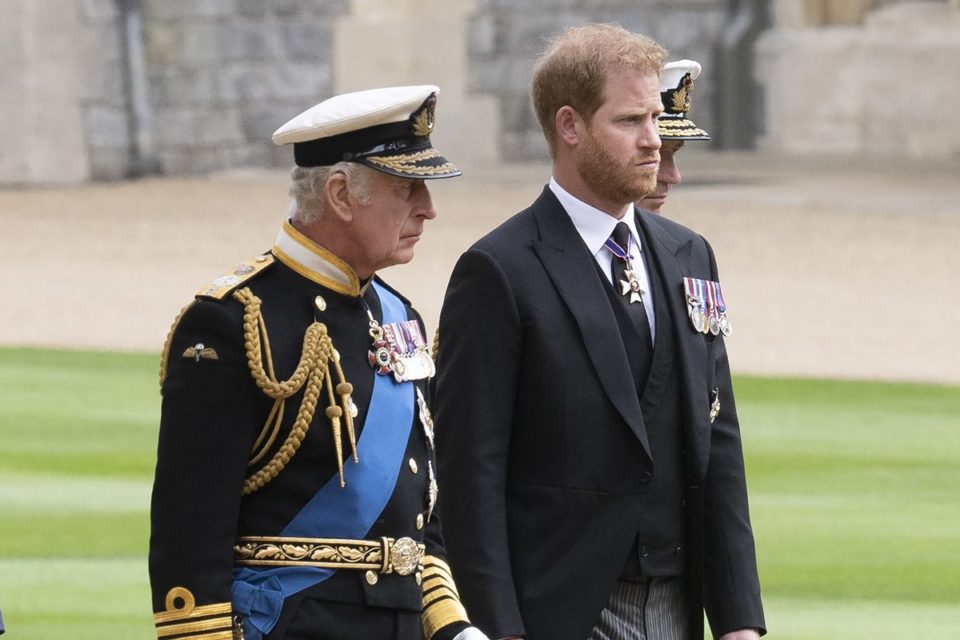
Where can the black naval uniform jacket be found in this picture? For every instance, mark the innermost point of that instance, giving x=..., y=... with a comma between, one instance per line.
x=542, y=435
x=212, y=414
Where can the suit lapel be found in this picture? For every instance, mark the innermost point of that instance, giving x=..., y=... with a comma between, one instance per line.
x=571, y=268
x=672, y=264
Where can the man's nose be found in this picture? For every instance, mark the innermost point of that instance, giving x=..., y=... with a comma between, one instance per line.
x=425, y=206
x=669, y=171
x=650, y=138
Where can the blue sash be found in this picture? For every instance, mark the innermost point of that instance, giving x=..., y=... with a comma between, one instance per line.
x=338, y=512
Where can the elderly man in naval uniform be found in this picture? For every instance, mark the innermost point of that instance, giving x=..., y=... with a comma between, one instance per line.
x=295, y=491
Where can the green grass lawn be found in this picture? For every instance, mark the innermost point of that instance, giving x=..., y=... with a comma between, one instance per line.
x=855, y=499
x=855, y=494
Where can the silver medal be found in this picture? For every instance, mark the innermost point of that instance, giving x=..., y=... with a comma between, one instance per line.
x=725, y=328
x=696, y=317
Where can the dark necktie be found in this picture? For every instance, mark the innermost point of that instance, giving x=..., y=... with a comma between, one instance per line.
x=622, y=279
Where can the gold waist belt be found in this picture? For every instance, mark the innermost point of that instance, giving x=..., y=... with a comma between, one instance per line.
x=402, y=556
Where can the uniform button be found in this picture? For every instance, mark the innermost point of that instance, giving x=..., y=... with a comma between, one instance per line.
x=677, y=551
x=320, y=303
x=418, y=578
x=372, y=577
x=261, y=258
x=644, y=552
x=645, y=477
x=413, y=465
x=419, y=521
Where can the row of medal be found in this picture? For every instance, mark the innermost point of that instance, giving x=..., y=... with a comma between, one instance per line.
x=400, y=348
x=706, y=307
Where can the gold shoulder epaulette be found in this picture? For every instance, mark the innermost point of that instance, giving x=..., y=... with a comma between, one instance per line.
x=219, y=288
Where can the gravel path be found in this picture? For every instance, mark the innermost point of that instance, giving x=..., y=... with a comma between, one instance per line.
x=828, y=269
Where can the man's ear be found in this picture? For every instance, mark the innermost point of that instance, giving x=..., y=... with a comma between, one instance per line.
x=569, y=125
x=337, y=198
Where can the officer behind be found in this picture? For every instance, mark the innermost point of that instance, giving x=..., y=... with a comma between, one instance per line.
x=585, y=412
x=295, y=490
x=676, y=91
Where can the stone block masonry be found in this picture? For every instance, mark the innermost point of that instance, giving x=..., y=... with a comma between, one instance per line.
x=223, y=74
x=504, y=38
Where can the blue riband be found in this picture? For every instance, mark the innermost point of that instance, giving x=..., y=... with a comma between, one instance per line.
x=338, y=512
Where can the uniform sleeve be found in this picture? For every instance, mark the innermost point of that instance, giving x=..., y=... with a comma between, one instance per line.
x=206, y=428
x=479, y=356
x=732, y=586
x=443, y=614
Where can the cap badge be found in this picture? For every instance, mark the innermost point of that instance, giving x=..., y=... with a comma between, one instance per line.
x=681, y=97
x=423, y=120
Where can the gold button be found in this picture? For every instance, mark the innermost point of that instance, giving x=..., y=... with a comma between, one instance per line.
x=320, y=303
x=261, y=258
x=372, y=577
x=418, y=577
x=413, y=465
x=419, y=521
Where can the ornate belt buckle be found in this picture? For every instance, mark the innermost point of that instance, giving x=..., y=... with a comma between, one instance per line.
x=404, y=556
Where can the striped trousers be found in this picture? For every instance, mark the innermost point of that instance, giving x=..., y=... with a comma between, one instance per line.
x=645, y=609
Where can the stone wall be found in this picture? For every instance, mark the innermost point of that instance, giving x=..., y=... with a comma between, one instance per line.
x=505, y=37
x=193, y=86
x=62, y=101
x=224, y=74
x=889, y=87
x=104, y=96
x=198, y=86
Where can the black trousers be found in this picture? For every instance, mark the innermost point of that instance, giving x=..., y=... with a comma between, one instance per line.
x=324, y=620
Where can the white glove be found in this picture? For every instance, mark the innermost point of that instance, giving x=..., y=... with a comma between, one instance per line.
x=471, y=633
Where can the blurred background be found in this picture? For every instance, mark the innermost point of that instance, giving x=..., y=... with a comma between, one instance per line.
x=136, y=165
x=111, y=89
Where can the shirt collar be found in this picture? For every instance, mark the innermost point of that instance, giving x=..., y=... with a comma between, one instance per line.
x=594, y=225
x=315, y=263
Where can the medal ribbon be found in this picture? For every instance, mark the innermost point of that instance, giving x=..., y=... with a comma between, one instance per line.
x=690, y=288
x=711, y=298
x=702, y=297
x=405, y=337
x=616, y=250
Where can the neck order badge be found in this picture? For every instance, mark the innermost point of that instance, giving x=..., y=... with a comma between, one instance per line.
x=618, y=244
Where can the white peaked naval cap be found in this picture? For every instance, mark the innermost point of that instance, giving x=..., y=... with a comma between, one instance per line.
x=385, y=129
x=676, y=90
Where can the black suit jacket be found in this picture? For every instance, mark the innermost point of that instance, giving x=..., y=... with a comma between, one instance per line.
x=542, y=445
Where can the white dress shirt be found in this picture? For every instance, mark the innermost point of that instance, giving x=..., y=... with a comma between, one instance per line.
x=595, y=226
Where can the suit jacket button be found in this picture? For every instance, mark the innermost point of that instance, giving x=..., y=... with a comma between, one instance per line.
x=372, y=577
x=677, y=551
x=645, y=477
x=644, y=551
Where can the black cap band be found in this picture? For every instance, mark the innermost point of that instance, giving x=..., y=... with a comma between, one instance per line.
x=382, y=140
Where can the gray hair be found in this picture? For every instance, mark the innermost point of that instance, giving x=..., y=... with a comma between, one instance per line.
x=306, y=187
